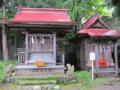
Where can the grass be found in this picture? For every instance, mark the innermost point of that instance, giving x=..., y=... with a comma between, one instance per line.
x=5, y=63
x=101, y=80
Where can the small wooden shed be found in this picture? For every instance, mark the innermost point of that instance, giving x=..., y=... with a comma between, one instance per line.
x=99, y=38
x=41, y=27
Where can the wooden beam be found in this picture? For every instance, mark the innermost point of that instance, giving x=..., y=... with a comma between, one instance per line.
x=54, y=47
x=37, y=25
x=116, y=59
x=26, y=48
x=38, y=35
x=96, y=57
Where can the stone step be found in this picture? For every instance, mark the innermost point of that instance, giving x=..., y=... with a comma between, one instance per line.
x=36, y=87
x=37, y=82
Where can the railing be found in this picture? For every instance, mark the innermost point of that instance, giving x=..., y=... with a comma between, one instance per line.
x=21, y=56
x=60, y=53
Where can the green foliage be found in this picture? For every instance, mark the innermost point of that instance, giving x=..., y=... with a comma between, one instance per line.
x=16, y=83
x=83, y=77
x=1, y=75
x=5, y=63
x=101, y=80
x=80, y=10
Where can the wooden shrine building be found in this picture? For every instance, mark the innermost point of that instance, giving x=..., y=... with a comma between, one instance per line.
x=41, y=27
x=99, y=38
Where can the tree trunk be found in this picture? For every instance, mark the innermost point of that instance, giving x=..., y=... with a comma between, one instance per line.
x=4, y=35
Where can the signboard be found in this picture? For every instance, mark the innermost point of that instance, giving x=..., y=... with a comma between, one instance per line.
x=92, y=56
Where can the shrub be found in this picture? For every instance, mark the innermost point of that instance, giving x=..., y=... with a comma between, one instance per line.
x=83, y=77
x=5, y=63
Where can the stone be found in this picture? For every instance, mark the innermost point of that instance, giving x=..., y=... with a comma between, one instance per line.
x=70, y=71
x=108, y=84
x=56, y=87
x=37, y=87
x=74, y=81
x=117, y=80
x=7, y=71
x=26, y=88
x=111, y=79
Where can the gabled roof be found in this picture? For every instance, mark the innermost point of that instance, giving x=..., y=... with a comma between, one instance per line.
x=95, y=18
x=95, y=27
x=40, y=18
x=42, y=14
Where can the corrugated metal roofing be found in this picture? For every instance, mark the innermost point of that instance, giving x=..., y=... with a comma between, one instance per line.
x=97, y=32
x=100, y=32
x=41, y=15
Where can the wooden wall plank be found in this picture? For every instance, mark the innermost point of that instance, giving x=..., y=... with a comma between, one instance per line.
x=116, y=59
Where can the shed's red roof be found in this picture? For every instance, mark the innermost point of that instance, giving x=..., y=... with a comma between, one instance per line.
x=100, y=32
x=97, y=31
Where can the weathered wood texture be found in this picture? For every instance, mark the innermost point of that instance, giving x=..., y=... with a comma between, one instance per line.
x=26, y=48
x=116, y=59
x=96, y=57
x=50, y=70
x=54, y=46
x=103, y=51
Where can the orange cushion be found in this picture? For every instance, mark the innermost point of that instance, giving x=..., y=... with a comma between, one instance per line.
x=40, y=63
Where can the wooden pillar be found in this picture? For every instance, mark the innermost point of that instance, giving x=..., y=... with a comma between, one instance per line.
x=26, y=48
x=86, y=55
x=54, y=47
x=81, y=55
x=116, y=59
x=96, y=57
x=63, y=58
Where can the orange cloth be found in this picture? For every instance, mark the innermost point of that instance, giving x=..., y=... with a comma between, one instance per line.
x=40, y=63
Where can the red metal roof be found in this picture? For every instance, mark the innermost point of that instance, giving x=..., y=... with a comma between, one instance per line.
x=100, y=32
x=35, y=21
x=92, y=20
x=41, y=15
x=96, y=31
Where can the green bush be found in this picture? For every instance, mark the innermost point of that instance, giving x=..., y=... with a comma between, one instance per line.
x=83, y=77
x=5, y=63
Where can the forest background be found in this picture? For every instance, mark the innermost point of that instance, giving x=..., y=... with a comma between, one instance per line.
x=80, y=11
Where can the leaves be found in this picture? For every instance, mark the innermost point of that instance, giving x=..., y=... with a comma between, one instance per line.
x=80, y=10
